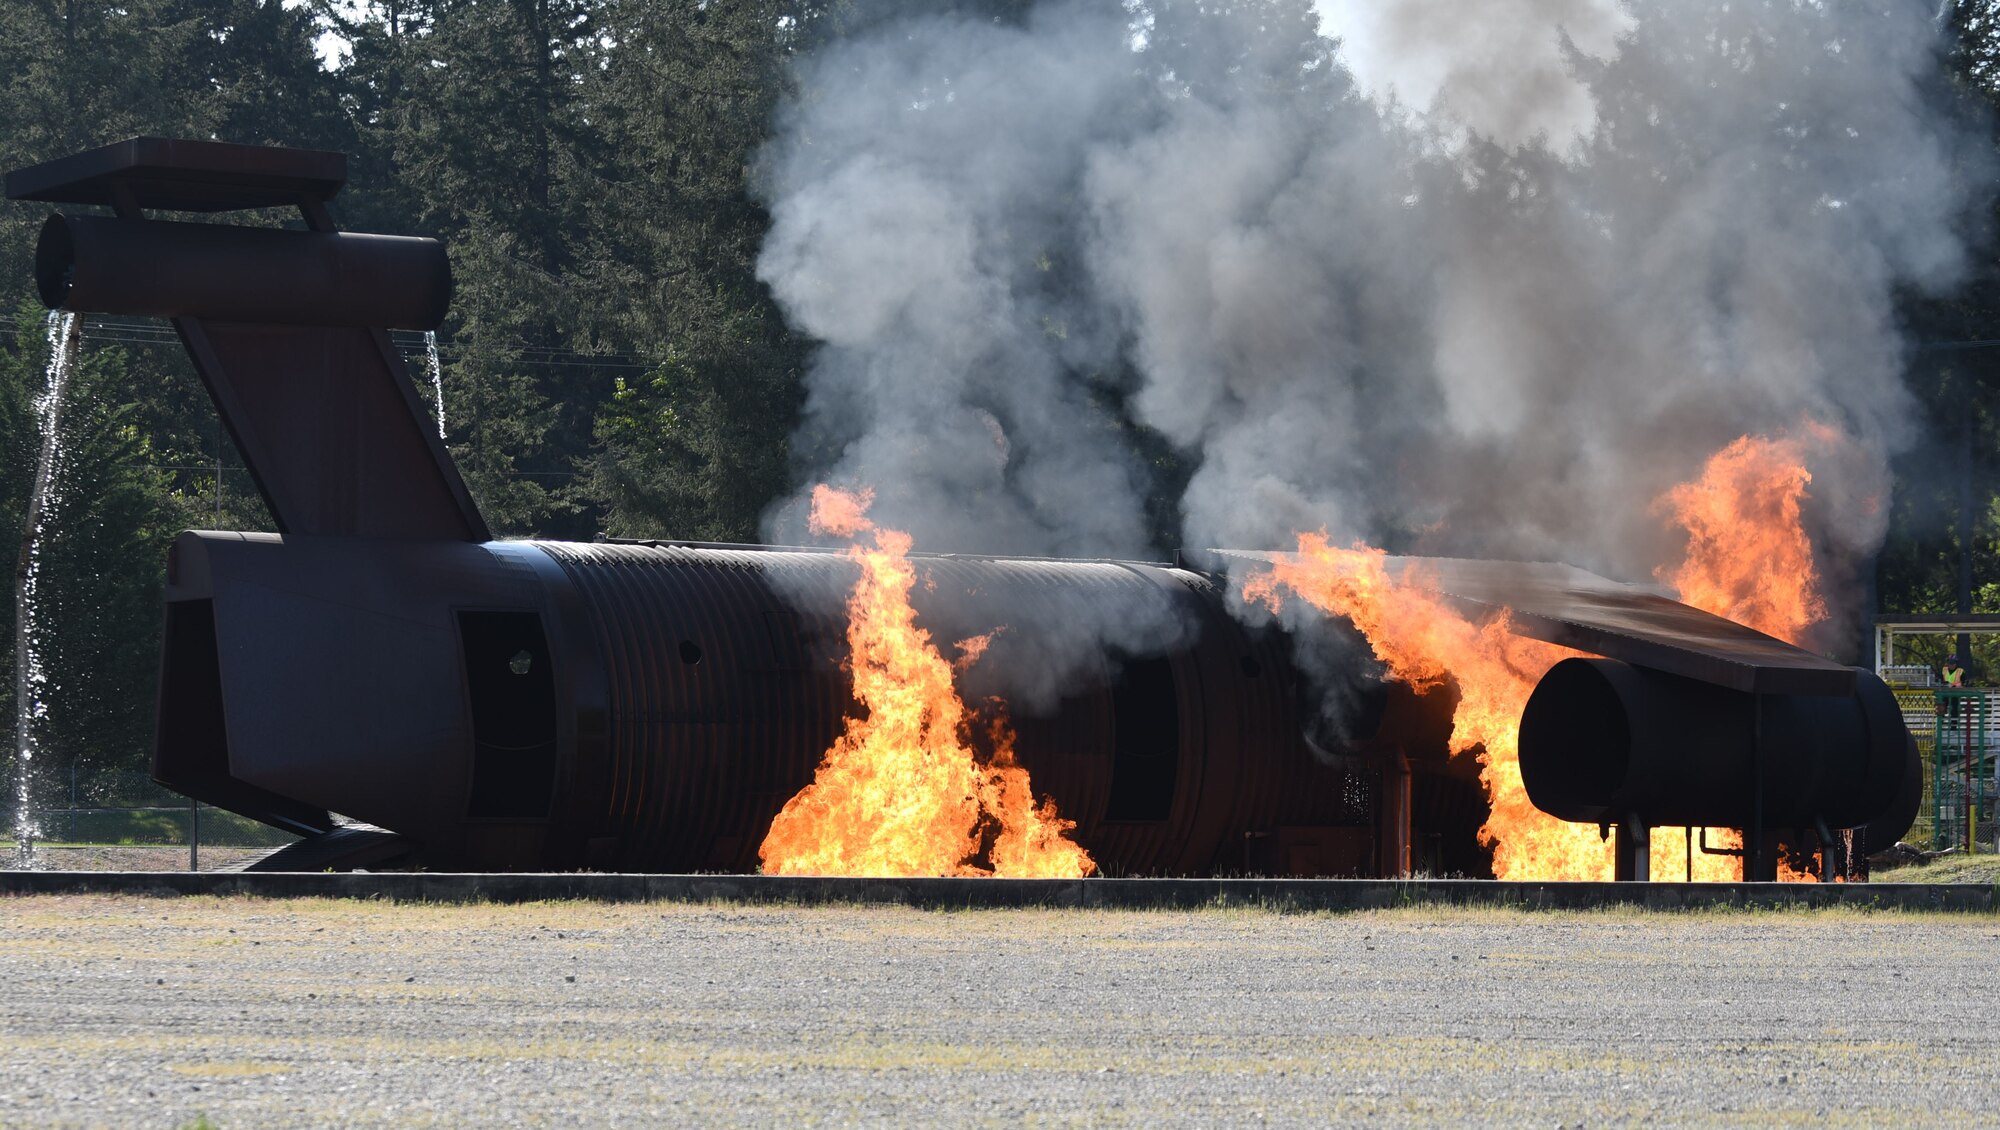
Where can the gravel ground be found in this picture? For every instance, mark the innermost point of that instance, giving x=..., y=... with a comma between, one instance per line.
x=142, y=1012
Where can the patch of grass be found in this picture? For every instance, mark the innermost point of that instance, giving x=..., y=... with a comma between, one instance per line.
x=1982, y=868
x=134, y=827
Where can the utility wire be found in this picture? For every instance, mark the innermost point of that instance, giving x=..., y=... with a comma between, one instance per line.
x=410, y=343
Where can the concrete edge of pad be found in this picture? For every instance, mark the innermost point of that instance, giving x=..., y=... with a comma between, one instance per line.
x=951, y=893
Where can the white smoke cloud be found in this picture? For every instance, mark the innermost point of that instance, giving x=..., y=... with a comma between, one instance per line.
x=1501, y=69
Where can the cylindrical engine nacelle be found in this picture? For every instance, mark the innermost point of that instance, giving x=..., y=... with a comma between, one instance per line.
x=161, y=269
x=1602, y=741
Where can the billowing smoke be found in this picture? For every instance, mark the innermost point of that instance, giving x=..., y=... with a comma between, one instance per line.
x=1499, y=70
x=925, y=226
x=1491, y=298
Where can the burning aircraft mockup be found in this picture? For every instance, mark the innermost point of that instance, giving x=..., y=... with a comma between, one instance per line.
x=533, y=705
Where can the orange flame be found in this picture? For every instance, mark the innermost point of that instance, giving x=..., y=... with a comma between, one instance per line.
x=840, y=513
x=1422, y=639
x=1749, y=558
x=902, y=792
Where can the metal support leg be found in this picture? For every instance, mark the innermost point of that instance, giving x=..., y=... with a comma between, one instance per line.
x=1760, y=864
x=1632, y=851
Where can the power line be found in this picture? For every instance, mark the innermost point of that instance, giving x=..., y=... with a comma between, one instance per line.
x=411, y=344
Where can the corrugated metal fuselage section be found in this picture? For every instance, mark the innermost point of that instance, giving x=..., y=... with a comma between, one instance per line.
x=521, y=705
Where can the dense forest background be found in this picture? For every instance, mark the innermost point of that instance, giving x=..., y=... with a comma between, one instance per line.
x=611, y=363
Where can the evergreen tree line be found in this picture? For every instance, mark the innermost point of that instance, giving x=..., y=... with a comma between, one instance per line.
x=610, y=363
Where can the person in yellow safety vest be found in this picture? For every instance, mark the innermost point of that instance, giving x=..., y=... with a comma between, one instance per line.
x=1953, y=671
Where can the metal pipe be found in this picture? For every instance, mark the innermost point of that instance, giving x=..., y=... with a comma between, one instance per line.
x=1707, y=850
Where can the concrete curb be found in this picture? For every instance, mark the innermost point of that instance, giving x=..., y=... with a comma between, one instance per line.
x=1127, y=894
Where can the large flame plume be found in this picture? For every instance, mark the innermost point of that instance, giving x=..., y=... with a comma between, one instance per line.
x=1748, y=555
x=903, y=792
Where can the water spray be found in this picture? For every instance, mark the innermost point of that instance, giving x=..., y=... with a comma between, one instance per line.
x=43, y=497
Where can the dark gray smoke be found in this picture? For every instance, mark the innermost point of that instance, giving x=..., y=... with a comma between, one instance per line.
x=1492, y=299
